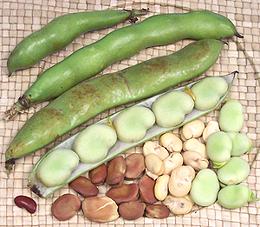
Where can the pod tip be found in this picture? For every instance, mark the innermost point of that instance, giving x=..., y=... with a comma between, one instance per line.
x=239, y=35
x=35, y=190
x=9, y=165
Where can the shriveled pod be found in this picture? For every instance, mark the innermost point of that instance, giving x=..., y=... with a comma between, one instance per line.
x=211, y=128
x=180, y=181
x=173, y=161
x=195, y=160
x=178, y=205
x=195, y=145
x=161, y=187
x=153, y=147
x=193, y=129
x=154, y=164
x=171, y=142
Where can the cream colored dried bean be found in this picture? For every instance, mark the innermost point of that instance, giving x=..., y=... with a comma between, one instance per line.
x=153, y=147
x=161, y=187
x=193, y=129
x=171, y=142
x=195, y=160
x=150, y=174
x=154, y=164
x=211, y=128
x=173, y=161
x=195, y=145
x=178, y=205
x=180, y=181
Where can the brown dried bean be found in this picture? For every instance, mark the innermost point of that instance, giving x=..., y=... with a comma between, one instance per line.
x=26, y=202
x=98, y=175
x=116, y=169
x=157, y=211
x=146, y=188
x=65, y=207
x=100, y=209
x=131, y=210
x=84, y=187
x=123, y=193
x=134, y=166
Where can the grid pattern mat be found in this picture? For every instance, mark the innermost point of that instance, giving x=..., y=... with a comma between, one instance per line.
x=18, y=18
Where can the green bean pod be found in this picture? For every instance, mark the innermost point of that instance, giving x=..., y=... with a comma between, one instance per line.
x=92, y=97
x=60, y=32
x=121, y=44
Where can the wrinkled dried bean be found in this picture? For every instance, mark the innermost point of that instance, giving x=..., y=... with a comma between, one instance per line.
x=157, y=211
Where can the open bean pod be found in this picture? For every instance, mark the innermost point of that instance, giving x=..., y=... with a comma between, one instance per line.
x=119, y=147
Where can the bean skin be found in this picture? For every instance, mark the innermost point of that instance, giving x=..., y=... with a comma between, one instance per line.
x=26, y=202
x=61, y=31
x=121, y=44
x=92, y=97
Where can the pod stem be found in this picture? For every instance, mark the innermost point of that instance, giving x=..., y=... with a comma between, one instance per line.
x=239, y=35
x=16, y=109
x=134, y=13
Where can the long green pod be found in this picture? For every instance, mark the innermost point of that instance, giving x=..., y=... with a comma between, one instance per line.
x=60, y=32
x=120, y=44
x=120, y=147
x=92, y=97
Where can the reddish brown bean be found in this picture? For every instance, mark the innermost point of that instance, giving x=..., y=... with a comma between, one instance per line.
x=123, y=193
x=65, y=207
x=25, y=202
x=157, y=211
x=146, y=188
x=131, y=210
x=98, y=175
x=116, y=169
x=135, y=166
x=84, y=187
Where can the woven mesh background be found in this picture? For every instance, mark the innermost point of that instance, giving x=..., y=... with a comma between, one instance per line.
x=18, y=18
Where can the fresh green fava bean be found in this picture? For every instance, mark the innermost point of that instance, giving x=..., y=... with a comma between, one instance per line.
x=219, y=147
x=171, y=108
x=208, y=91
x=94, y=96
x=241, y=144
x=204, y=188
x=93, y=143
x=57, y=167
x=231, y=116
x=235, y=196
x=123, y=43
x=234, y=171
x=60, y=32
x=131, y=124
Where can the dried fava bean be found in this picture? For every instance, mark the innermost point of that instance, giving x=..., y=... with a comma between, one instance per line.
x=151, y=175
x=131, y=124
x=195, y=160
x=25, y=202
x=205, y=187
x=131, y=210
x=219, y=147
x=116, y=169
x=170, y=109
x=135, y=166
x=195, y=145
x=153, y=147
x=98, y=175
x=211, y=128
x=65, y=207
x=100, y=209
x=93, y=143
x=234, y=171
x=154, y=164
x=193, y=129
x=241, y=144
x=84, y=187
x=180, y=181
x=171, y=142
x=146, y=189
x=57, y=167
x=178, y=205
x=159, y=211
x=235, y=196
x=173, y=161
x=208, y=91
x=161, y=187
x=231, y=116
x=123, y=193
